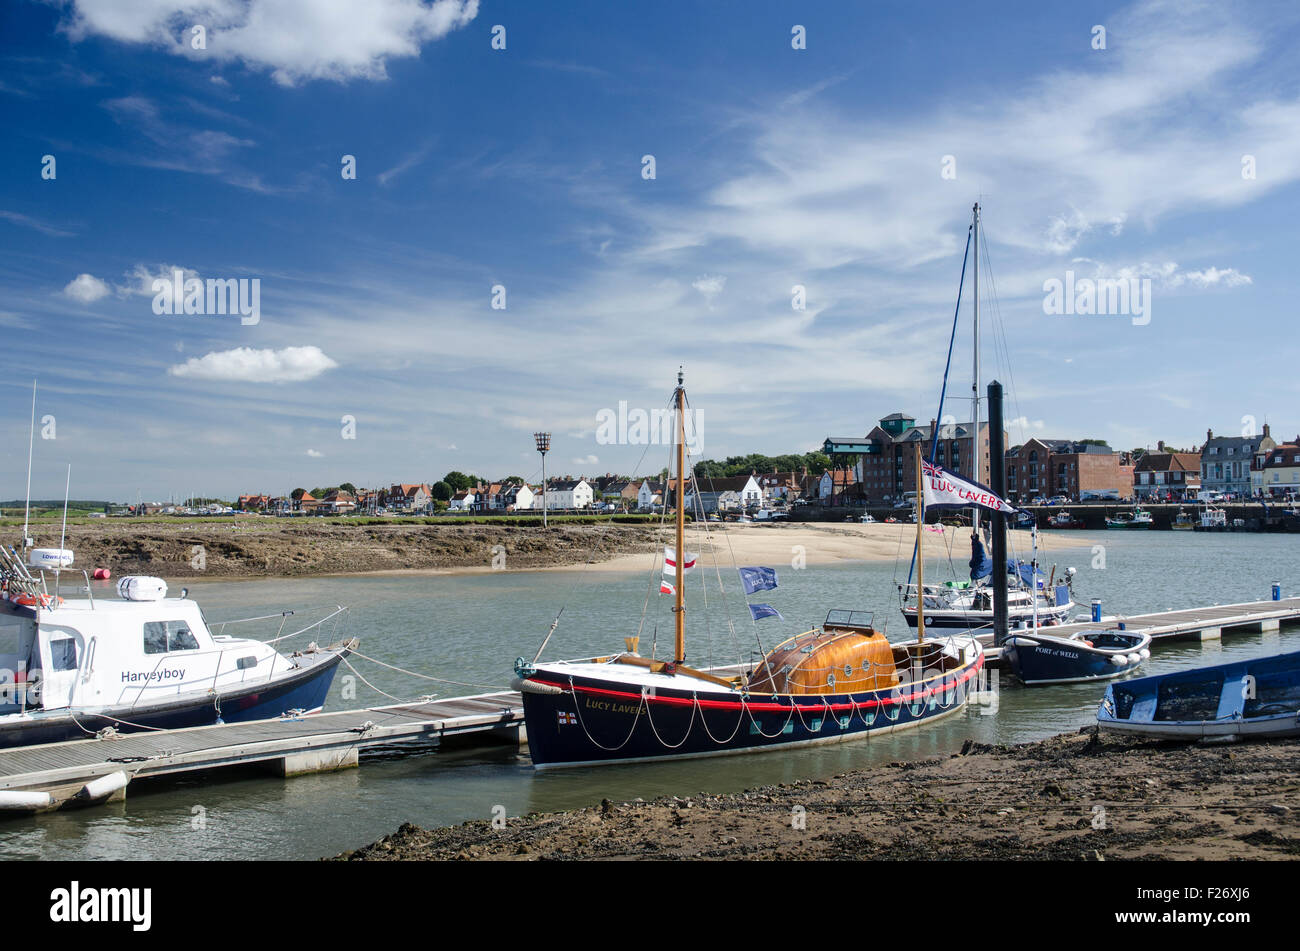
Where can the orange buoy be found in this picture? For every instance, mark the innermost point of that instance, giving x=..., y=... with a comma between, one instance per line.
x=102, y=574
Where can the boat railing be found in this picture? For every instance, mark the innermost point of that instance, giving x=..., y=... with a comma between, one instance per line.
x=283, y=616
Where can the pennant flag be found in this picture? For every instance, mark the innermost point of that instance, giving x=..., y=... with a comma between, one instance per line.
x=667, y=587
x=764, y=610
x=757, y=579
x=670, y=561
x=943, y=489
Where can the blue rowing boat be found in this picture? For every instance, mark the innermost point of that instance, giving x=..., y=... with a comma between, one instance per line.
x=1242, y=700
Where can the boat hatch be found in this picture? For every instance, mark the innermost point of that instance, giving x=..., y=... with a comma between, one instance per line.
x=843, y=620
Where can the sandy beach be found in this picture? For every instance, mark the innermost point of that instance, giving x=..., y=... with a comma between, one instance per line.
x=820, y=543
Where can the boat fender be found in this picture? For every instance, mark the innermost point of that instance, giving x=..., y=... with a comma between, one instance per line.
x=1144, y=653
x=529, y=686
x=103, y=786
x=1135, y=658
x=15, y=800
x=1119, y=660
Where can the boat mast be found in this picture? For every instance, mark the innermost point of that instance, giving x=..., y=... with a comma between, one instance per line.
x=920, y=556
x=31, y=441
x=679, y=599
x=975, y=383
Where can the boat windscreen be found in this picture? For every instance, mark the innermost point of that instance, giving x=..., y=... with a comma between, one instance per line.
x=837, y=617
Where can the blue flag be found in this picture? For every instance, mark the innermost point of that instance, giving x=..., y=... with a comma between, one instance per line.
x=757, y=579
x=764, y=610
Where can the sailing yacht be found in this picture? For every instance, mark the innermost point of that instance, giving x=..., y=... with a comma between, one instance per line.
x=836, y=682
x=967, y=604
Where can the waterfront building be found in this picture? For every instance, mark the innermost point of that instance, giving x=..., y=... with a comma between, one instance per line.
x=1167, y=473
x=1078, y=470
x=732, y=493
x=1226, y=461
x=649, y=494
x=885, y=464
x=1277, y=470
x=568, y=494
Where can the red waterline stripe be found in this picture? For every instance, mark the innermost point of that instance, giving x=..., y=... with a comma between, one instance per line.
x=774, y=707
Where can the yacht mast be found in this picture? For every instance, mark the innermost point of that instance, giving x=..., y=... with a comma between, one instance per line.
x=975, y=383
x=679, y=600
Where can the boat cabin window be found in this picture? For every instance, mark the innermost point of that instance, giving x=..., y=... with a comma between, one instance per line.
x=63, y=653
x=161, y=637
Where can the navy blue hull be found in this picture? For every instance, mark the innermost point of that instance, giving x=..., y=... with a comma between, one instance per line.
x=1060, y=661
x=593, y=721
x=306, y=691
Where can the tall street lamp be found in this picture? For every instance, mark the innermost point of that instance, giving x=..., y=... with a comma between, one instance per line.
x=543, y=444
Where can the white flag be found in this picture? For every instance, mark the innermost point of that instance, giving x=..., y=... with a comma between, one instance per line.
x=942, y=488
x=670, y=561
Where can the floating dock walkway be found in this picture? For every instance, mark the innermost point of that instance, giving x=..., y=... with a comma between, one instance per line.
x=81, y=772
x=1205, y=624
x=51, y=775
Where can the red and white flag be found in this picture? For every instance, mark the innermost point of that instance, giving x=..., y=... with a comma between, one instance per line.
x=942, y=488
x=670, y=561
x=667, y=587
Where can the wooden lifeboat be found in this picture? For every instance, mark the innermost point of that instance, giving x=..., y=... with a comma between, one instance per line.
x=827, y=661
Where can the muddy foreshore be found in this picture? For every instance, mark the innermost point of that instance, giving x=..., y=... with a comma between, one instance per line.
x=269, y=547
x=257, y=548
x=1084, y=796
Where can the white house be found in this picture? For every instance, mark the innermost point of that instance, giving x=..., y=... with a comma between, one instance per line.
x=520, y=497
x=736, y=492
x=462, y=501
x=649, y=495
x=567, y=494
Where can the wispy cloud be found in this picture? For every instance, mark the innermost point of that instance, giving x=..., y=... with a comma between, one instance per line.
x=36, y=225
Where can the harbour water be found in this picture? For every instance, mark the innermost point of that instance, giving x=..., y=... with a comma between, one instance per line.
x=469, y=628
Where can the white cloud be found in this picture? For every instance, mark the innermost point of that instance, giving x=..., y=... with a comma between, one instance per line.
x=296, y=40
x=246, y=365
x=315, y=455
x=1025, y=423
x=1230, y=277
x=139, y=280
x=86, y=288
x=1168, y=274
x=586, y=461
x=710, y=285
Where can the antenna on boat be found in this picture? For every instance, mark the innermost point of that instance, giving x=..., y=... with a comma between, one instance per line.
x=63, y=533
x=31, y=441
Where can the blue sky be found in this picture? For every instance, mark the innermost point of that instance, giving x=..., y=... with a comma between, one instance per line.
x=523, y=167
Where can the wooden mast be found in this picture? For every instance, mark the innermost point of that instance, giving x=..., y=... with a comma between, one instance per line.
x=920, y=556
x=679, y=605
